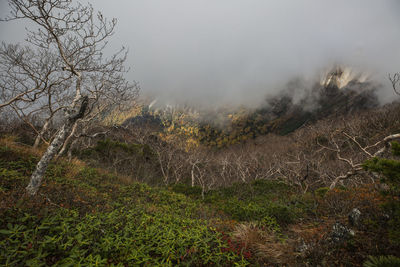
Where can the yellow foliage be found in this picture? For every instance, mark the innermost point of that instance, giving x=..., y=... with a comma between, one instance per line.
x=118, y=117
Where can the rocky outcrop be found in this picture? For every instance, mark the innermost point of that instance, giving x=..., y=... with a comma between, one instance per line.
x=340, y=233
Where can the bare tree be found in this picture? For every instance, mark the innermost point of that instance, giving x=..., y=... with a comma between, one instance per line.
x=40, y=115
x=395, y=80
x=33, y=86
x=366, y=150
x=76, y=37
x=24, y=73
x=355, y=166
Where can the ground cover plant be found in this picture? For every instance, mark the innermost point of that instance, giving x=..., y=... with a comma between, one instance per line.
x=92, y=217
x=282, y=226
x=85, y=217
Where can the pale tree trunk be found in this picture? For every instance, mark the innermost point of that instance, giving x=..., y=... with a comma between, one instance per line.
x=54, y=146
x=64, y=147
x=41, y=134
x=193, y=177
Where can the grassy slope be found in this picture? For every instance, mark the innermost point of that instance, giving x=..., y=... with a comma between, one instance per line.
x=90, y=217
x=87, y=216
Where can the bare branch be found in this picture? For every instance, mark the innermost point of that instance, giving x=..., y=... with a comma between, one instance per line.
x=395, y=79
x=63, y=69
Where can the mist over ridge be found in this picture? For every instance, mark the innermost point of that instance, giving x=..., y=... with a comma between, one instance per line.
x=235, y=52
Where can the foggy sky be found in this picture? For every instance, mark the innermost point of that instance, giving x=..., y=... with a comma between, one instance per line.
x=237, y=51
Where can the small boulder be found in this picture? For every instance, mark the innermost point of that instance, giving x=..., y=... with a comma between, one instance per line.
x=302, y=246
x=341, y=233
x=354, y=217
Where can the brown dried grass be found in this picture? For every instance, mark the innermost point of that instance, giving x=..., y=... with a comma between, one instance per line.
x=11, y=141
x=264, y=244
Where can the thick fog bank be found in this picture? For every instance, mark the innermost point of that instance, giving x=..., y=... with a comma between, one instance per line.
x=237, y=51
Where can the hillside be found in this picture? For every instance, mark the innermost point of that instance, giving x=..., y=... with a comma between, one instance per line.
x=90, y=217
x=296, y=105
x=238, y=134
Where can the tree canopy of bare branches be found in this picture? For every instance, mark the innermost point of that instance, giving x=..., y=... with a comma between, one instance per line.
x=62, y=68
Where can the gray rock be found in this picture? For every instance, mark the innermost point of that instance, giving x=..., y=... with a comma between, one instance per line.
x=354, y=217
x=341, y=233
x=302, y=247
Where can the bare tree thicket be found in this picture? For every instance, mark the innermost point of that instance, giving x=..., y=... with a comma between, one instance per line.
x=325, y=154
x=62, y=68
x=328, y=153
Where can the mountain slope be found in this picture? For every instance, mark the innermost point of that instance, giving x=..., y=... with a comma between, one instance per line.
x=296, y=105
x=86, y=216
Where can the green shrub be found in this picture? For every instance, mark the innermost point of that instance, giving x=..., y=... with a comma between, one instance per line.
x=194, y=192
x=321, y=192
x=382, y=261
x=10, y=178
x=396, y=148
x=270, y=223
x=390, y=169
x=156, y=235
x=247, y=210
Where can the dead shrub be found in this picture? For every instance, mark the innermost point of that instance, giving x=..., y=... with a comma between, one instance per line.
x=341, y=201
x=264, y=244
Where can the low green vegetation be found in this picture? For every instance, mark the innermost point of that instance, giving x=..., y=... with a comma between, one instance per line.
x=84, y=216
x=126, y=235
x=390, y=171
x=382, y=261
x=259, y=201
